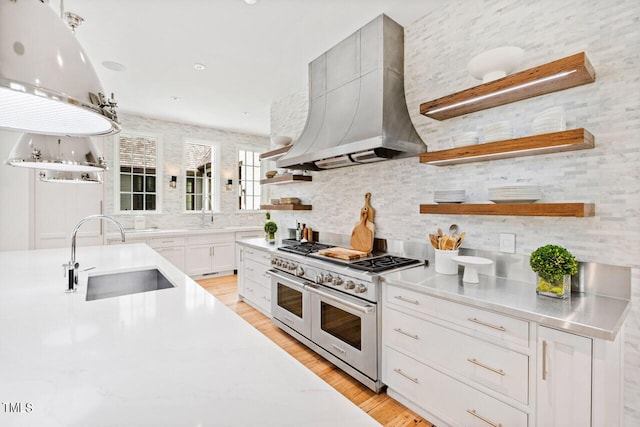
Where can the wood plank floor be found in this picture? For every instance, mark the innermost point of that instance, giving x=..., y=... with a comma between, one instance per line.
x=381, y=407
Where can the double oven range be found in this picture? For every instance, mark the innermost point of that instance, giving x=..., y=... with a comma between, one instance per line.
x=331, y=305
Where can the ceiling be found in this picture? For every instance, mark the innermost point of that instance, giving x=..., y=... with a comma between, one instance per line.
x=254, y=54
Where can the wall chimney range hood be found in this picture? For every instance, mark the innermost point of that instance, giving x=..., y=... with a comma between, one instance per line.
x=357, y=109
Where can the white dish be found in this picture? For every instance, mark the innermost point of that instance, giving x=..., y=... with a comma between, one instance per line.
x=514, y=200
x=471, y=264
x=495, y=63
x=281, y=140
x=466, y=138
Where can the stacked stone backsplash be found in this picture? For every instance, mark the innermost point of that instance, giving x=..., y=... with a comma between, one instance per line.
x=172, y=136
x=438, y=47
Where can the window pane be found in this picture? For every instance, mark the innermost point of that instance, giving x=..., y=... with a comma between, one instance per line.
x=150, y=184
x=138, y=170
x=138, y=202
x=125, y=183
x=125, y=202
x=138, y=181
x=150, y=171
x=198, y=203
x=151, y=202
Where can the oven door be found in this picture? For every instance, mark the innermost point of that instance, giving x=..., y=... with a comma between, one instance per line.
x=290, y=302
x=346, y=327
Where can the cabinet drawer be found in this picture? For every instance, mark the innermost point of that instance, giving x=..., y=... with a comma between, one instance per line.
x=495, y=367
x=174, y=255
x=478, y=320
x=257, y=272
x=257, y=255
x=448, y=399
x=166, y=242
x=258, y=296
x=207, y=238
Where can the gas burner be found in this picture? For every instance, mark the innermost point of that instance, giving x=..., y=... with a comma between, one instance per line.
x=383, y=263
x=304, y=248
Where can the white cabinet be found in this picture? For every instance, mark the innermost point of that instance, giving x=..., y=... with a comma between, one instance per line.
x=563, y=379
x=254, y=284
x=210, y=254
x=171, y=248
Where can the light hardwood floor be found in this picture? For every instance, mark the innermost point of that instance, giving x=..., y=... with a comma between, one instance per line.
x=381, y=407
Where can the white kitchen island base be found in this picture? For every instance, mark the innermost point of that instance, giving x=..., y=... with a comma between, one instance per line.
x=173, y=357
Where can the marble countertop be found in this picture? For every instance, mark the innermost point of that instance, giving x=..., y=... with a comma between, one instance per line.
x=260, y=243
x=587, y=314
x=173, y=357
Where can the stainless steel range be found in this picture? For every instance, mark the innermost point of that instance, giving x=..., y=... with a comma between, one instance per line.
x=332, y=305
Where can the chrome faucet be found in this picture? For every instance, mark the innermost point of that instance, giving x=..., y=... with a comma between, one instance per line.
x=72, y=266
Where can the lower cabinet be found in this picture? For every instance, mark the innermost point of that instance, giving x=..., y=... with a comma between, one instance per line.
x=171, y=248
x=563, y=379
x=210, y=254
x=254, y=284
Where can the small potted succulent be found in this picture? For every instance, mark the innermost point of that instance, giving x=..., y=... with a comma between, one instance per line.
x=270, y=229
x=554, y=266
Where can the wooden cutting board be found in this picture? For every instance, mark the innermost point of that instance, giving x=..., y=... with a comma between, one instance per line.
x=372, y=213
x=362, y=234
x=342, y=253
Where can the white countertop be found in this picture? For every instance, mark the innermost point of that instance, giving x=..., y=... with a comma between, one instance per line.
x=587, y=314
x=173, y=357
x=153, y=232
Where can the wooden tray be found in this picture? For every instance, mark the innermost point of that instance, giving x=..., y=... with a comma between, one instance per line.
x=342, y=253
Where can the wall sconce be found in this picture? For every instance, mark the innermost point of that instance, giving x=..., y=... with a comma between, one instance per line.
x=229, y=185
x=173, y=182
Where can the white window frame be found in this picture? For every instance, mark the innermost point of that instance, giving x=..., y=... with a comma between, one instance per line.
x=216, y=181
x=237, y=180
x=159, y=172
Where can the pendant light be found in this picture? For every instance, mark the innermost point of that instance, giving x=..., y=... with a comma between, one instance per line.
x=65, y=177
x=61, y=153
x=47, y=83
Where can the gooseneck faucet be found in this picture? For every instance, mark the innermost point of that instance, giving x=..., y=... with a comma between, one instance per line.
x=72, y=266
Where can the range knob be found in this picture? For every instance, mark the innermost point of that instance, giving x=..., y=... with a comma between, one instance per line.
x=278, y=262
x=360, y=288
x=299, y=271
x=292, y=266
x=337, y=281
x=349, y=284
x=320, y=278
x=328, y=278
x=274, y=261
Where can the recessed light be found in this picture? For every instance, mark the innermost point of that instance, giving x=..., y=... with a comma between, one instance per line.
x=250, y=1
x=175, y=98
x=245, y=113
x=199, y=66
x=113, y=66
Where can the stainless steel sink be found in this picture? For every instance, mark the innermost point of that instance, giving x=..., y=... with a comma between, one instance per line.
x=126, y=283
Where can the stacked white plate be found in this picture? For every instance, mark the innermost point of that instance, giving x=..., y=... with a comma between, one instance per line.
x=498, y=131
x=515, y=194
x=551, y=120
x=464, y=139
x=448, y=196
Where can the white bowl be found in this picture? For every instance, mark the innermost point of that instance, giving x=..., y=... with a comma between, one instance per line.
x=495, y=63
x=281, y=140
x=465, y=138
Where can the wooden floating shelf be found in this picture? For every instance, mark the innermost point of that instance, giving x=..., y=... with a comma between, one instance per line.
x=568, y=140
x=574, y=70
x=519, y=209
x=286, y=207
x=286, y=179
x=275, y=154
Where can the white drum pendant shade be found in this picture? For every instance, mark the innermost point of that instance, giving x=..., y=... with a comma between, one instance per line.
x=47, y=83
x=61, y=153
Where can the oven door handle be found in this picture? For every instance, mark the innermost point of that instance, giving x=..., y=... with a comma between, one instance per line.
x=366, y=309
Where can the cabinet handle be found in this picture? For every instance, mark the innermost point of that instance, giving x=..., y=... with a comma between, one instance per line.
x=482, y=365
x=288, y=319
x=415, y=337
x=488, y=325
x=401, y=298
x=340, y=350
x=544, y=360
x=475, y=414
x=213, y=250
x=399, y=371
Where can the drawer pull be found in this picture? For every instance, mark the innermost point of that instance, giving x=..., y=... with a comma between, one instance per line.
x=482, y=365
x=338, y=349
x=488, y=325
x=399, y=371
x=544, y=360
x=415, y=337
x=475, y=414
x=401, y=298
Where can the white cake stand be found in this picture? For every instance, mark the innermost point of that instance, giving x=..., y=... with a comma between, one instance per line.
x=471, y=264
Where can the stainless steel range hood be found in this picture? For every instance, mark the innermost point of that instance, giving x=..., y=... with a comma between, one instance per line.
x=357, y=109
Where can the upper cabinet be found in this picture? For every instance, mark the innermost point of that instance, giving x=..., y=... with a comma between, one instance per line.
x=574, y=70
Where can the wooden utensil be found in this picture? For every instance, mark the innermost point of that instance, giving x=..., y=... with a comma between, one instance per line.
x=460, y=239
x=362, y=235
x=372, y=213
x=342, y=253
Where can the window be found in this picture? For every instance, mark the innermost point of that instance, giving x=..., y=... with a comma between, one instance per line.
x=249, y=180
x=136, y=182
x=201, y=176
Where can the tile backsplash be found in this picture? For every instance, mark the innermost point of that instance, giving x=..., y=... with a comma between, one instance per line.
x=438, y=47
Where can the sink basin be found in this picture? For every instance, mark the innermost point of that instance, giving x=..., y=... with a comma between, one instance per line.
x=126, y=283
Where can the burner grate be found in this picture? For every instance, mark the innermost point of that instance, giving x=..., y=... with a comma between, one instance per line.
x=383, y=263
x=304, y=248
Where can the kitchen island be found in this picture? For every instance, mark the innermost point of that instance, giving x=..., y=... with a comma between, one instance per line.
x=172, y=357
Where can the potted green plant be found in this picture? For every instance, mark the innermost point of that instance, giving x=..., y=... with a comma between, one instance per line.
x=270, y=229
x=554, y=266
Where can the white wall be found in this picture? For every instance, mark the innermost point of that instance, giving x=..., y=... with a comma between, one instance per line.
x=14, y=198
x=437, y=49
